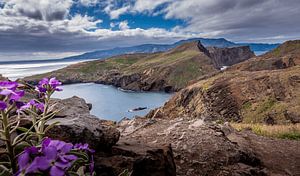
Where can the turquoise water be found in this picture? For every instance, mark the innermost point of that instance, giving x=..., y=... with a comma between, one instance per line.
x=112, y=103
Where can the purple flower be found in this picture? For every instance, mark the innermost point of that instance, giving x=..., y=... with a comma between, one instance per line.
x=2, y=105
x=47, y=84
x=33, y=104
x=8, y=88
x=8, y=85
x=52, y=158
x=25, y=158
x=85, y=147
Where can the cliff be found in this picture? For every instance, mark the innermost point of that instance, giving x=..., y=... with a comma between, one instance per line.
x=229, y=56
x=248, y=95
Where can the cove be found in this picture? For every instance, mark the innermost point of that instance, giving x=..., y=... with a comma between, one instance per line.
x=111, y=103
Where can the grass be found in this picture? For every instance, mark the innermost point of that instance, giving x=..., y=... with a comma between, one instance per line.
x=289, y=131
x=257, y=111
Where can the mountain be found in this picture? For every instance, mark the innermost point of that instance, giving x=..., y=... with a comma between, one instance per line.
x=164, y=71
x=151, y=48
x=263, y=89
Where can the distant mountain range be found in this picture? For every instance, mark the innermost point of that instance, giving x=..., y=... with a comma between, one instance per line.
x=151, y=48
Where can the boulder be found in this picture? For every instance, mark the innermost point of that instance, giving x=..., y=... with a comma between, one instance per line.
x=77, y=125
x=138, y=159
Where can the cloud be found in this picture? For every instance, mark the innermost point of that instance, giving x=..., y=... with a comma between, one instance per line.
x=22, y=32
x=37, y=9
x=88, y=2
x=123, y=25
x=148, y=6
x=115, y=9
x=238, y=20
x=44, y=26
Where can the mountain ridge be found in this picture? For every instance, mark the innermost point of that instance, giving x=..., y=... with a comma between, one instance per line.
x=167, y=71
x=151, y=48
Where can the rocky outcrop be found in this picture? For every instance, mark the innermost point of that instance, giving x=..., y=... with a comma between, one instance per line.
x=252, y=92
x=229, y=56
x=139, y=159
x=199, y=148
x=112, y=157
x=76, y=124
x=240, y=96
x=209, y=149
x=285, y=56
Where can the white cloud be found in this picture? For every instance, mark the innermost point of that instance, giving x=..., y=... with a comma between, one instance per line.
x=48, y=10
x=123, y=25
x=238, y=20
x=88, y=2
x=115, y=13
x=146, y=5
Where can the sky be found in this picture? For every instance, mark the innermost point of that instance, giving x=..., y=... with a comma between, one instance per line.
x=44, y=29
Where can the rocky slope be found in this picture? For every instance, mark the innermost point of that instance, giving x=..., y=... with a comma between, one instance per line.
x=166, y=71
x=207, y=149
x=243, y=94
x=169, y=147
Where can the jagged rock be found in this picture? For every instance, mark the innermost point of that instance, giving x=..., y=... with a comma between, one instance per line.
x=77, y=125
x=199, y=148
x=229, y=56
x=139, y=159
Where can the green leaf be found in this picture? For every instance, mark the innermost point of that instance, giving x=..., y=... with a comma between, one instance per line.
x=23, y=129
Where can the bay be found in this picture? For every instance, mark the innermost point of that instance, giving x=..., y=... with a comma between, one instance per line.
x=112, y=103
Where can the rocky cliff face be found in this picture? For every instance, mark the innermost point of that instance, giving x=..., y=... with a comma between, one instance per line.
x=242, y=95
x=166, y=71
x=229, y=56
x=285, y=56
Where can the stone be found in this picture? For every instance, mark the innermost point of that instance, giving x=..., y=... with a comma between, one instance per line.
x=77, y=125
x=138, y=159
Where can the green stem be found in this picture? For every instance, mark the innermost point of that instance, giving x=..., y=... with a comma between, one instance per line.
x=42, y=123
x=8, y=143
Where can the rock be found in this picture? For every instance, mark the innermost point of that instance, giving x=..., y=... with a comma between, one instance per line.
x=229, y=56
x=90, y=105
x=202, y=150
x=293, y=117
x=138, y=159
x=77, y=125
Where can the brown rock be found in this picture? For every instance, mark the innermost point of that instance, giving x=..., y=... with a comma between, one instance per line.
x=138, y=159
x=77, y=125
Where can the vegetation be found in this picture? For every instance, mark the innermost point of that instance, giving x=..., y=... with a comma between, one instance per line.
x=288, y=131
x=27, y=150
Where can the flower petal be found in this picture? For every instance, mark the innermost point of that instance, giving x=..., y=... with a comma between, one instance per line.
x=23, y=160
x=39, y=163
x=50, y=152
x=6, y=92
x=56, y=171
x=2, y=105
